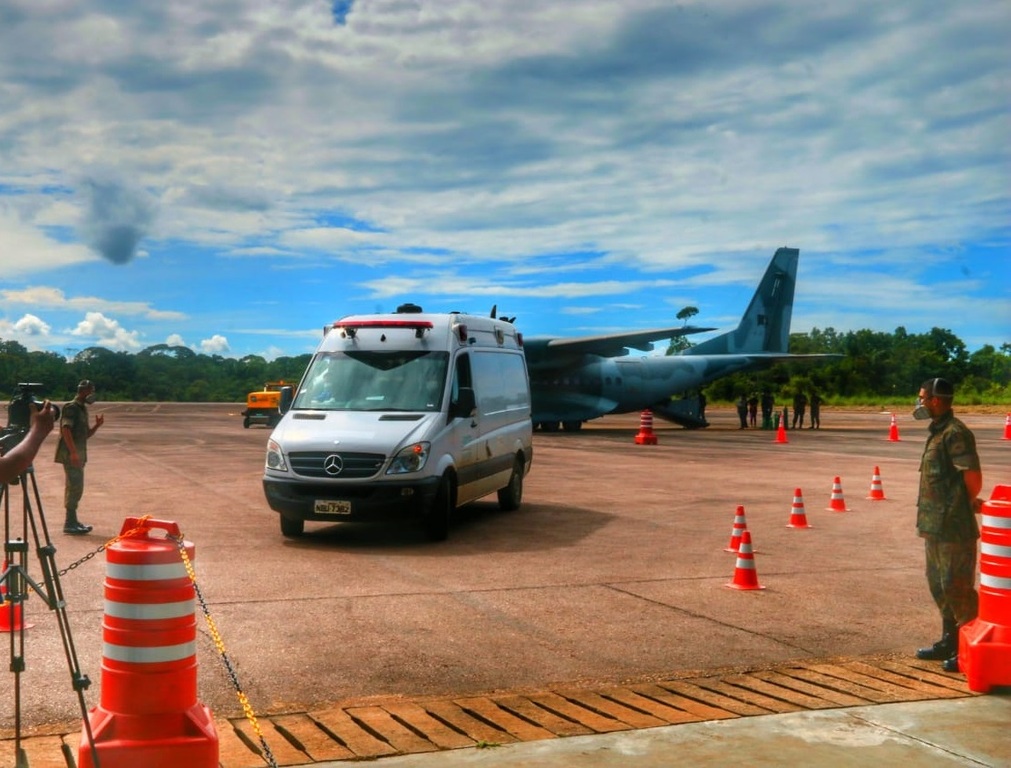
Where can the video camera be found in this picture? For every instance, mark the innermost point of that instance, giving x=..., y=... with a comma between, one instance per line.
x=19, y=414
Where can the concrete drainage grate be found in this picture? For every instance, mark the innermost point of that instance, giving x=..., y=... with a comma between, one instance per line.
x=357, y=732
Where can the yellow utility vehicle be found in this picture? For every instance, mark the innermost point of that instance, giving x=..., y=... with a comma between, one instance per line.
x=262, y=405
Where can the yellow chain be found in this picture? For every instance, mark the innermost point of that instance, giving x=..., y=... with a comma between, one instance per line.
x=220, y=645
x=138, y=529
x=247, y=709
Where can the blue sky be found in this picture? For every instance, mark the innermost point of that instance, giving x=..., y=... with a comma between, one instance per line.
x=231, y=176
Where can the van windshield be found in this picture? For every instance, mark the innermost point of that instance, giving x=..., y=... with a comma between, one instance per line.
x=374, y=381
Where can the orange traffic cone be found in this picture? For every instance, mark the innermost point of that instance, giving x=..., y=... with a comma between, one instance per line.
x=893, y=431
x=837, y=503
x=740, y=526
x=11, y=614
x=745, y=575
x=646, y=435
x=798, y=519
x=1007, y=427
x=781, y=430
x=877, y=490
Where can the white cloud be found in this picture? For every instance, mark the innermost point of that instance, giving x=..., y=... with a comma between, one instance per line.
x=216, y=345
x=107, y=332
x=54, y=298
x=27, y=250
x=326, y=238
x=272, y=353
x=30, y=325
x=454, y=285
x=420, y=138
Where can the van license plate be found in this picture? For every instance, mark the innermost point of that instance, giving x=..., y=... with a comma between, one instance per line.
x=329, y=507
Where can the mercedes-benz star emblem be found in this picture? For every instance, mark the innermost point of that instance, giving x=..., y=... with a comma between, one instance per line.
x=333, y=465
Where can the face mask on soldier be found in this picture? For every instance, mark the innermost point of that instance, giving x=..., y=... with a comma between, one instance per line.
x=921, y=412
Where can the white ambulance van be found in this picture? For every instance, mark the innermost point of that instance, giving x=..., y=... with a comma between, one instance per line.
x=407, y=415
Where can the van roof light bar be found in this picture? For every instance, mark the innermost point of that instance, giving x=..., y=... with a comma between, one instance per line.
x=350, y=327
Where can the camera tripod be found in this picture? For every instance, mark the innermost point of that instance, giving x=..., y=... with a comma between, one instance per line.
x=17, y=583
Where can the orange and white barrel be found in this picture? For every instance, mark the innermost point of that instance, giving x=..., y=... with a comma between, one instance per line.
x=984, y=649
x=148, y=713
x=646, y=435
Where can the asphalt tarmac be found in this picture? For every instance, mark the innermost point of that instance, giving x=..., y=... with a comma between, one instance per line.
x=614, y=570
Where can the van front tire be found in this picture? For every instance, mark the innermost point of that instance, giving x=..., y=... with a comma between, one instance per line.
x=510, y=497
x=292, y=527
x=439, y=512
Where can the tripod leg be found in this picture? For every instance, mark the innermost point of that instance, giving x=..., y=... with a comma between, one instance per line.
x=15, y=581
x=52, y=594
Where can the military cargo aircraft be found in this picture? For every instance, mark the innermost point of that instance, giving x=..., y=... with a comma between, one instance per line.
x=573, y=380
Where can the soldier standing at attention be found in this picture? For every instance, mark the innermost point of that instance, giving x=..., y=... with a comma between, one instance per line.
x=768, y=403
x=799, y=406
x=742, y=411
x=72, y=452
x=950, y=482
x=815, y=411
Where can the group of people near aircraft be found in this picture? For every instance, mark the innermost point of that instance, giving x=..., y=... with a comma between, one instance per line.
x=747, y=410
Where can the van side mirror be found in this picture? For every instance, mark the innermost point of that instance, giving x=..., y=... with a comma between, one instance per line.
x=284, y=401
x=465, y=403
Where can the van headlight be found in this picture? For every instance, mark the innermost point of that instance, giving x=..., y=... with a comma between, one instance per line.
x=275, y=458
x=410, y=459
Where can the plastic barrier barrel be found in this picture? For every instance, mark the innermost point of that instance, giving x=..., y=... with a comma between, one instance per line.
x=148, y=713
x=11, y=611
x=646, y=435
x=984, y=648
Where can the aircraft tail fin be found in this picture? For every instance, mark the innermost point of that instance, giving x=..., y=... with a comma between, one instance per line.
x=765, y=326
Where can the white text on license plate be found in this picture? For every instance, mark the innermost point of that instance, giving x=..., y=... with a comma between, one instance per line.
x=329, y=507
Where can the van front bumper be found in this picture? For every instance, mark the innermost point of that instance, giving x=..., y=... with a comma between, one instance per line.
x=371, y=501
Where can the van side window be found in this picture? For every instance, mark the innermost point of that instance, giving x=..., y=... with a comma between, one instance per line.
x=500, y=379
x=461, y=376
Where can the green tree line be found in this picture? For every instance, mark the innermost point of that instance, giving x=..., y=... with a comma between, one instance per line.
x=159, y=373
x=874, y=365
x=877, y=366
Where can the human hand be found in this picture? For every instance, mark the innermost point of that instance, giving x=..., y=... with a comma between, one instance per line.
x=43, y=418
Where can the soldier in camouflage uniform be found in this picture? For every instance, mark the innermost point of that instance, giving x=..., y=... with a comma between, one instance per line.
x=72, y=452
x=950, y=481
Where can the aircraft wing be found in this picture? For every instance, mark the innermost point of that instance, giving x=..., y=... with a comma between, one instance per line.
x=780, y=357
x=608, y=345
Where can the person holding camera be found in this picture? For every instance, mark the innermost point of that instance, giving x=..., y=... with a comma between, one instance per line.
x=17, y=460
x=72, y=452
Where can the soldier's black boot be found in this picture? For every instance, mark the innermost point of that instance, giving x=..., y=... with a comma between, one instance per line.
x=74, y=527
x=951, y=664
x=945, y=648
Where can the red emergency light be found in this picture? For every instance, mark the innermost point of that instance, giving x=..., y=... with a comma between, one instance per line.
x=351, y=327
